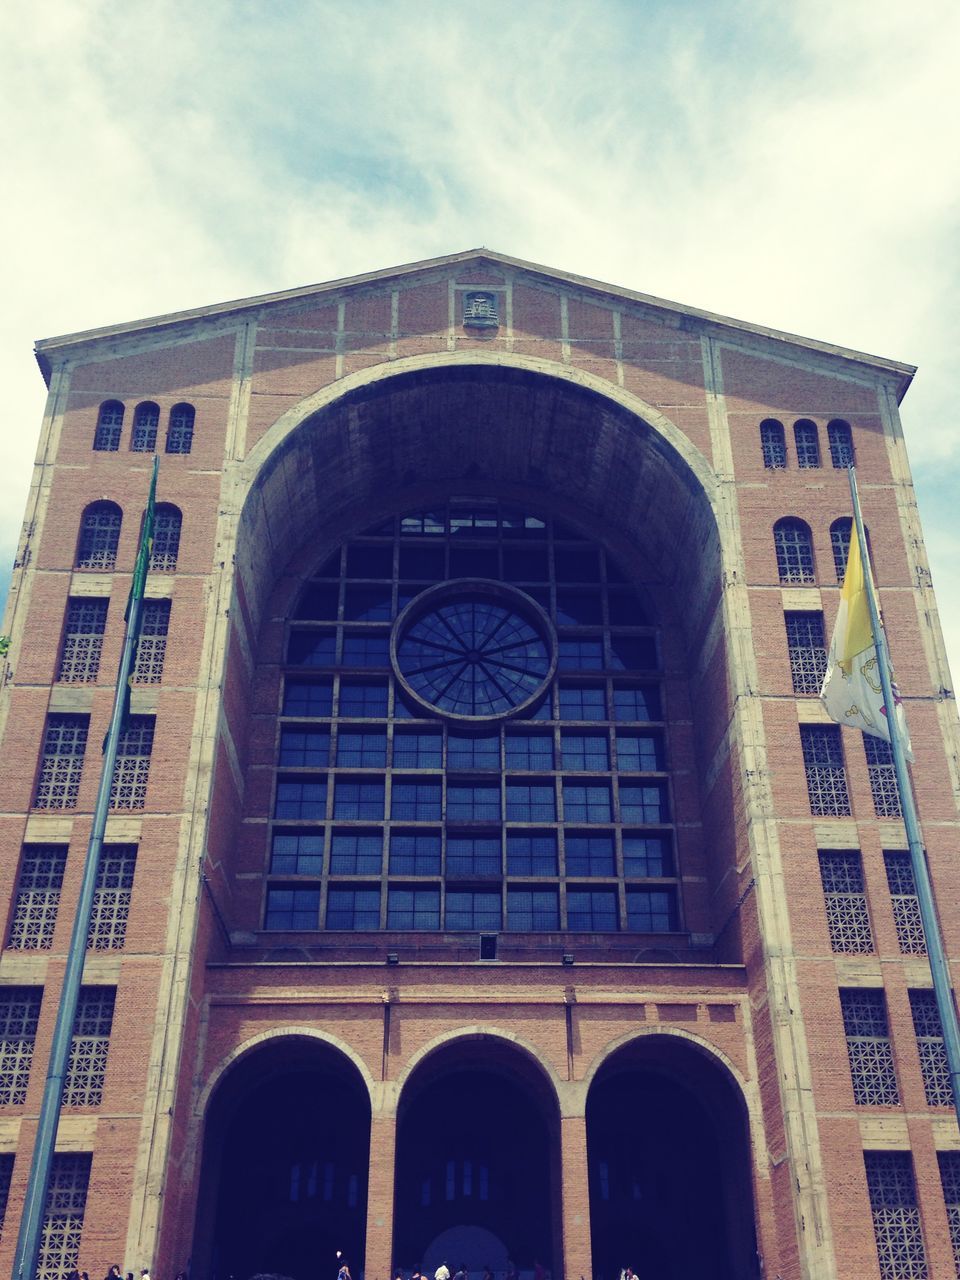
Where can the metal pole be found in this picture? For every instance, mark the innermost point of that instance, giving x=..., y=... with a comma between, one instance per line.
x=939, y=970
x=31, y=1221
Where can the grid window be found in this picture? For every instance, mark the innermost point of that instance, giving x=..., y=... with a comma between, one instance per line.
x=312, y=648
x=63, y=1215
x=353, y=908
x=584, y=751
x=19, y=1014
x=633, y=653
x=415, y=853
x=296, y=853
x=645, y=855
x=933, y=1054
x=636, y=702
x=423, y=563
x=531, y=802
x=806, y=650
x=529, y=750
x=318, y=602
x=825, y=771
x=840, y=533
x=582, y=702
x=366, y=649
x=106, y=437
x=366, y=604
x=896, y=1216
x=414, y=801
x=468, y=752
x=807, y=439
x=292, y=909
x=642, y=752
x=356, y=853
x=587, y=802
x=83, y=631
x=906, y=905
x=166, y=538
x=845, y=900
x=361, y=700
x=651, y=910
x=303, y=699
x=869, y=1049
x=362, y=748
x=841, y=444
x=472, y=910
x=589, y=855
x=883, y=777
x=6, y=1176
x=532, y=910
x=369, y=561
x=297, y=799
x=773, y=445
x=111, y=897
x=146, y=420
x=473, y=856
x=180, y=429
x=580, y=655
x=152, y=645
x=592, y=910
x=579, y=608
x=473, y=802
x=353, y=798
x=531, y=853
x=413, y=908
x=643, y=802
x=87, y=1067
x=949, y=1162
x=38, y=897
x=424, y=522
x=99, y=537
x=304, y=748
x=132, y=768
x=794, y=547
x=417, y=749
x=61, y=762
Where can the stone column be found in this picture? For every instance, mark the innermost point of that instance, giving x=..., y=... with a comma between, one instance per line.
x=576, y=1197
x=378, y=1262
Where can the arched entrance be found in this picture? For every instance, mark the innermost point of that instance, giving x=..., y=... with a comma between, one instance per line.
x=285, y=1160
x=668, y=1148
x=477, y=1174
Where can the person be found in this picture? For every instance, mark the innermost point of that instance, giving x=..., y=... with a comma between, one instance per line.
x=442, y=1272
x=344, y=1272
x=114, y=1273
x=398, y=1274
x=461, y=1272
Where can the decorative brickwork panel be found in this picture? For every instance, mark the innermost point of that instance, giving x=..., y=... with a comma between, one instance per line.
x=88, y=1048
x=933, y=1054
x=166, y=539
x=794, y=547
x=99, y=537
x=807, y=651
x=106, y=438
x=129, y=787
x=152, y=645
x=845, y=899
x=825, y=770
x=38, y=897
x=906, y=906
x=868, y=1047
x=63, y=1218
x=111, y=899
x=883, y=777
x=61, y=762
x=82, y=640
x=773, y=445
x=949, y=1162
x=19, y=1013
x=896, y=1216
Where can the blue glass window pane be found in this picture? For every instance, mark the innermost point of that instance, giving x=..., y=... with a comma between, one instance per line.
x=584, y=751
x=646, y=855
x=532, y=910
x=651, y=910
x=312, y=648
x=476, y=802
x=303, y=800
x=472, y=910
x=415, y=853
x=642, y=802
x=318, y=603
x=578, y=608
x=582, y=702
x=358, y=853
x=529, y=751
x=592, y=910
x=473, y=855
x=362, y=748
x=531, y=853
x=640, y=751
x=416, y=801
x=362, y=699
x=589, y=855
x=292, y=909
x=367, y=604
x=633, y=653
x=355, y=799
x=466, y=752
x=580, y=655
x=636, y=702
x=366, y=649
x=531, y=802
x=586, y=802
x=304, y=748
x=413, y=909
x=297, y=854
x=353, y=908
x=303, y=699
x=417, y=749
x=367, y=560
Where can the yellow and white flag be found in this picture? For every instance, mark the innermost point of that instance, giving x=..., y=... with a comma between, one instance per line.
x=851, y=691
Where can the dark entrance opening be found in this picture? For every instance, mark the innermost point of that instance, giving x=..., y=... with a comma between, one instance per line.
x=670, y=1188
x=286, y=1152
x=477, y=1178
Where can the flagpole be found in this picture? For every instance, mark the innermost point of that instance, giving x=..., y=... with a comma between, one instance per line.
x=939, y=969
x=31, y=1222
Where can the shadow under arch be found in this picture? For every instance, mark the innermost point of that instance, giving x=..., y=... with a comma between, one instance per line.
x=285, y=1160
x=478, y=1157
x=669, y=1151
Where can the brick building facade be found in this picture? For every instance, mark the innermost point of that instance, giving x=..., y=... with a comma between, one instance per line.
x=483, y=875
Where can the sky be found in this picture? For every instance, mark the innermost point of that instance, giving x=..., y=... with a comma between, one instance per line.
x=789, y=164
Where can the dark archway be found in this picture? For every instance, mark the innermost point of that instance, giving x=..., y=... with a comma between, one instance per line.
x=669, y=1154
x=477, y=1161
x=285, y=1161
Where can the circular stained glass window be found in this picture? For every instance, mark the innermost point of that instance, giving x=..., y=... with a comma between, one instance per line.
x=475, y=650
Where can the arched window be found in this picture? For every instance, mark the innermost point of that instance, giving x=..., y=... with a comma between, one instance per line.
x=106, y=438
x=840, y=541
x=180, y=429
x=841, y=443
x=794, y=546
x=99, y=536
x=774, y=444
x=808, y=443
x=145, y=423
x=166, y=538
